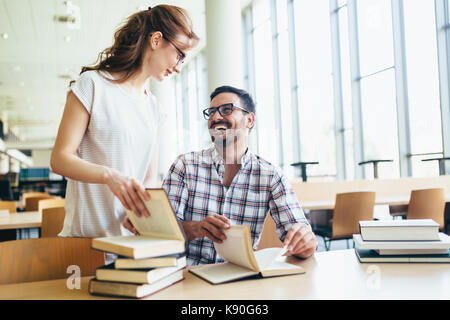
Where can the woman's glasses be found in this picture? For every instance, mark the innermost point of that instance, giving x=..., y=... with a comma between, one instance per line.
x=181, y=54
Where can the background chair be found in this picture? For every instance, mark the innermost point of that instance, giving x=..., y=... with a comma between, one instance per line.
x=427, y=204
x=26, y=195
x=51, y=203
x=269, y=237
x=47, y=259
x=52, y=221
x=32, y=202
x=349, y=209
x=8, y=205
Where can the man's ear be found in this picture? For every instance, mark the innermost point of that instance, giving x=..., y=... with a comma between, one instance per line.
x=156, y=39
x=250, y=120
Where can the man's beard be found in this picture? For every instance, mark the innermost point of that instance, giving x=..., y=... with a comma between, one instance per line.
x=228, y=137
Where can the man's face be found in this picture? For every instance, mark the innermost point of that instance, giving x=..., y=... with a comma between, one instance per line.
x=227, y=129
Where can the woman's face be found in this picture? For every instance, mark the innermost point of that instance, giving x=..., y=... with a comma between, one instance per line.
x=163, y=56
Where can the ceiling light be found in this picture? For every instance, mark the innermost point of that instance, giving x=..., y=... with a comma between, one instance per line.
x=4, y=36
x=72, y=17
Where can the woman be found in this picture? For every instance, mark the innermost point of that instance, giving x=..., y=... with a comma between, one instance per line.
x=106, y=143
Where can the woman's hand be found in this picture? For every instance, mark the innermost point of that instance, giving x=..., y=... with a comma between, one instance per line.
x=128, y=191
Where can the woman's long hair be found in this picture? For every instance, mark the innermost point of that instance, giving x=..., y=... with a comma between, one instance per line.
x=124, y=57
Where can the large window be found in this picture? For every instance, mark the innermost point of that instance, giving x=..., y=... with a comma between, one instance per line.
x=293, y=83
x=378, y=95
x=387, y=61
x=315, y=86
x=264, y=94
x=423, y=85
x=191, y=99
x=344, y=79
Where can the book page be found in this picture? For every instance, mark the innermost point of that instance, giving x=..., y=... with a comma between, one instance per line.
x=222, y=272
x=237, y=248
x=162, y=222
x=267, y=256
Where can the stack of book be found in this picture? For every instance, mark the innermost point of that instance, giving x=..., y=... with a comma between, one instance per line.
x=408, y=241
x=148, y=262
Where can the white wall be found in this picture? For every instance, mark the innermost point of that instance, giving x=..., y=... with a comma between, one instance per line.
x=41, y=158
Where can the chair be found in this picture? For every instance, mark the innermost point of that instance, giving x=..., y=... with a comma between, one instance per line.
x=349, y=209
x=269, y=237
x=47, y=259
x=50, y=203
x=32, y=203
x=427, y=204
x=8, y=205
x=52, y=221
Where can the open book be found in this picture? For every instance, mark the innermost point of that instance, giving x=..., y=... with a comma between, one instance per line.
x=242, y=262
x=159, y=235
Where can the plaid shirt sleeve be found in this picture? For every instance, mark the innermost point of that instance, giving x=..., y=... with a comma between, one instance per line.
x=284, y=207
x=176, y=189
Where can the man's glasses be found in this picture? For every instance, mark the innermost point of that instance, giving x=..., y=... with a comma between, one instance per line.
x=181, y=55
x=224, y=110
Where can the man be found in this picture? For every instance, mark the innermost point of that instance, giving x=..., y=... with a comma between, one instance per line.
x=228, y=185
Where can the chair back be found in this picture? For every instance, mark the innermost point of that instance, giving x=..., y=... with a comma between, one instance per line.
x=350, y=208
x=427, y=204
x=8, y=205
x=26, y=195
x=52, y=221
x=269, y=237
x=32, y=202
x=47, y=259
x=51, y=203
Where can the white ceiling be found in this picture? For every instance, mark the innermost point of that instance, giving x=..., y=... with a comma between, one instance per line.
x=39, y=54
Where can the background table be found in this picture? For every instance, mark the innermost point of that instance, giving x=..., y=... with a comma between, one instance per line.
x=19, y=220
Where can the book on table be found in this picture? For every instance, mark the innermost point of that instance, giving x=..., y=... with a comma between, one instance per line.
x=372, y=256
x=146, y=263
x=403, y=251
x=159, y=235
x=149, y=276
x=133, y=290
x=242, y=262
x=405, y=247
x=400, y=230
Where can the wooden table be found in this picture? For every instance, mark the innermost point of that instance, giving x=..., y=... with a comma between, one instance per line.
x=329, y=275
x=20, y=220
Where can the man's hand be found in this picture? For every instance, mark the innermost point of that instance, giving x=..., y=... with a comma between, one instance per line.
x=211, y=227
x=300, y=241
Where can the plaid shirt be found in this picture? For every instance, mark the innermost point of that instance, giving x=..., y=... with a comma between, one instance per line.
x=195, y=190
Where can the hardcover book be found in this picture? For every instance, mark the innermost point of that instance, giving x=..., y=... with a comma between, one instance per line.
x=159, y=235
x=108, y=273
x=146, y=263
x=400, y=230
x=133, y=290
x=242, y=262
x=385, y=246
x=373, y=257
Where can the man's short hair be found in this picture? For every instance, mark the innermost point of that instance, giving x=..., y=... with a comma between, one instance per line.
x=245, y=97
